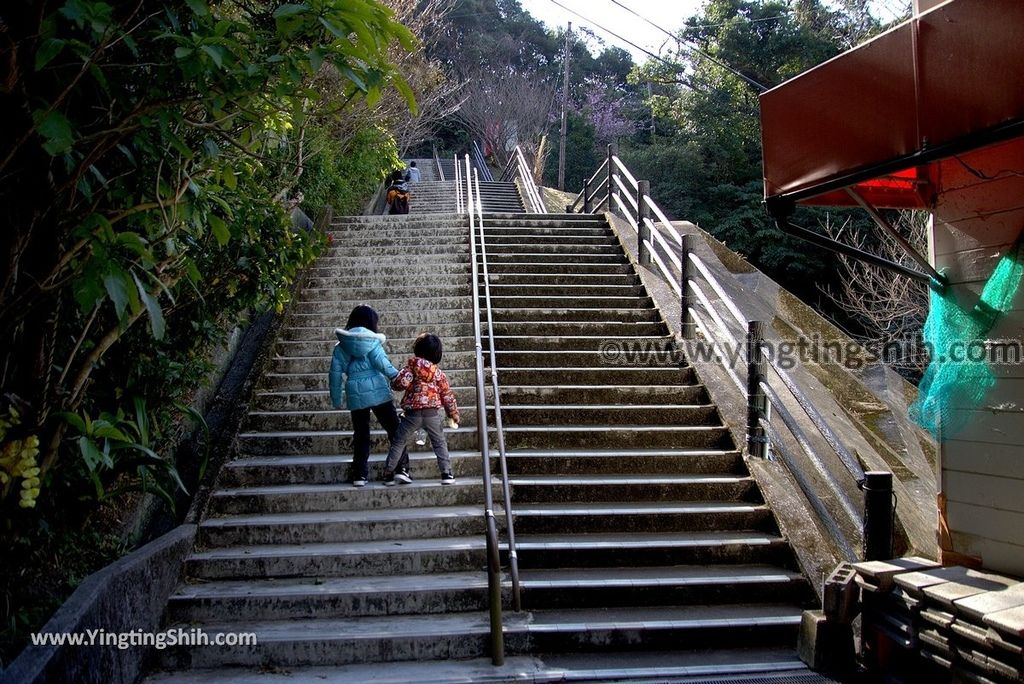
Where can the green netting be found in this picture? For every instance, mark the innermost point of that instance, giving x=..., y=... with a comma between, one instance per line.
x=959, y=374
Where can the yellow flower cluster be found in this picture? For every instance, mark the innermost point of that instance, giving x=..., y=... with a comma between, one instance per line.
x=18, y=459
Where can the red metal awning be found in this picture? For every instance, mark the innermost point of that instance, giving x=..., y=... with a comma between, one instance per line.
x=882, y=117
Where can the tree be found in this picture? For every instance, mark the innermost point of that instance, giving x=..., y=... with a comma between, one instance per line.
x=148, y=147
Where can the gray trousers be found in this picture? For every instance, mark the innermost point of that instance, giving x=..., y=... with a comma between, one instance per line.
x=413, y=420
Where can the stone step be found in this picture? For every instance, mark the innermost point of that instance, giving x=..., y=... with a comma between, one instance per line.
x=616, y=437
x=397, y=346
x=396, y=289
x=310, y=442
x=425, y=319
x=426, y=248
x=334, y=469
x=339, y=306
x=315, y=364
x=637, y=549
x=560, y=267
x=319, y=400
x=374, y=268
x=601, y=394
x=576, y=301
x=566, y=463
x=770, y=665
x=655, y=627
x=539, y=329
x=604, y=375
x=569, y=251
x=611, y=347
x=331, y=419
x=631, y=487
x=317, y=380
x=552, y=290
x=582, y=238
x=577, y=279
x=329, y=597
x=447, y=331
x=319, y=498
x=288, y=643
x=551, y=228
x=533, y=257
x=318, y=527
x=594, y=314
x=328, y=280
x=337, y=641
x=543, y=220
x=582, y=358
x=356, y=559
x=639, y=516
x=410, y=241
x=598, y=414
x=660, y=586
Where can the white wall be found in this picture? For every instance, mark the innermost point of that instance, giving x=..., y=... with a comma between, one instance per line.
x=978, y=217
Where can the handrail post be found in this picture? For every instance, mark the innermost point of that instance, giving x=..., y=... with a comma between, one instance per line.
x=644, y=239
x=613, y=150
x=586, y=195
x=757, y=370
x=688, y=246
x=877, y=515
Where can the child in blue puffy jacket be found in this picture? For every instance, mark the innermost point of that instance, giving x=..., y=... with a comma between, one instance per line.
x=360, y=360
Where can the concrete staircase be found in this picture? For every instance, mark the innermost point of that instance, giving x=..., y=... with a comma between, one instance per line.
x=639, y=528
x=645, y=549
x=327, y=575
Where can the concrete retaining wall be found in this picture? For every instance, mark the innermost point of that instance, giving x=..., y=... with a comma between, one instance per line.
x=130, y=594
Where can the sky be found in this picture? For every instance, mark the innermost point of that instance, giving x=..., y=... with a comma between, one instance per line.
x=668, y=14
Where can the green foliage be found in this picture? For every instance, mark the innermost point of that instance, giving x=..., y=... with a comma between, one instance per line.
x=344, y=174
x=149, y=147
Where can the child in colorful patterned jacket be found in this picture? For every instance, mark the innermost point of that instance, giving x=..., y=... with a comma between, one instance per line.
x=426, y=392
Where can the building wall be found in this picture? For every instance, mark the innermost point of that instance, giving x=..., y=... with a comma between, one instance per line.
x=978, y=216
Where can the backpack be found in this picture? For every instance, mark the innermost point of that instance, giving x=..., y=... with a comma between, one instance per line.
x=398, y=201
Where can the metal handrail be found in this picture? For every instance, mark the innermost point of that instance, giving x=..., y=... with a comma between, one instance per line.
x=437, y=164
x=517, y=166
x=493, y=559
x=506, y=491
x=481, y=164
x=633, y=200
x=459, y=205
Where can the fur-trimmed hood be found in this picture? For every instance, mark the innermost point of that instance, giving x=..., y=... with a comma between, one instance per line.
x=358, y=342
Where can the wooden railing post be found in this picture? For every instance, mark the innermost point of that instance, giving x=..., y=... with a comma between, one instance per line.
x=586, y=195
x=757, y=402
x=689, y=328
x=645, y=241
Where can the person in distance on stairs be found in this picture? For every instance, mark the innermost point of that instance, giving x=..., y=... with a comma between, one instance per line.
x=397, y=194
x=426, y=392
x=361, y=366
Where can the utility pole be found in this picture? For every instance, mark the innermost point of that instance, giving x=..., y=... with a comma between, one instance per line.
x=652, y=112
x=565, y=111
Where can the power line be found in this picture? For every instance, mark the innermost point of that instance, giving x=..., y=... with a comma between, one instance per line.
x=689, y=46
x=674, y=67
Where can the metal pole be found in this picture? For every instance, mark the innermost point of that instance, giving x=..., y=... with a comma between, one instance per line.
x=565, y=111
x=757, y=442
x=613, y=150
x=689, y=328
x=645, y=242
x=878, y=515
x=586, y=195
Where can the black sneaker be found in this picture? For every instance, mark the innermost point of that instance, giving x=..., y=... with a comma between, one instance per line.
x=447, y=479
x=389, y=480
x=403, y=477
x=359, y=482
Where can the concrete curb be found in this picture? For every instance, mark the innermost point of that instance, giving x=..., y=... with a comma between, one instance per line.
x=127, y=595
